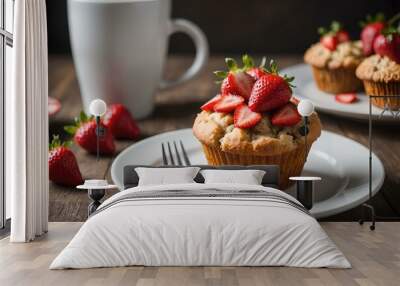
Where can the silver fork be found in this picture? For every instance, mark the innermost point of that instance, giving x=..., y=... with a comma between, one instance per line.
x=177, y=156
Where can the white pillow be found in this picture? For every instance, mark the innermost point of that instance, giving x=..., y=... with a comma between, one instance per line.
x=248, y=177
x=164, y=176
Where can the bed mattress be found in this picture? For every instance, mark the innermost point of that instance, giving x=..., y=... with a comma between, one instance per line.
x=201, y=225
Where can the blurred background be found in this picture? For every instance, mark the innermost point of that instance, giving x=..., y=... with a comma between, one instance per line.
x=252, y=26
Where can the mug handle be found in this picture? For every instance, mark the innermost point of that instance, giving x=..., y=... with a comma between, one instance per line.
x=201, y=44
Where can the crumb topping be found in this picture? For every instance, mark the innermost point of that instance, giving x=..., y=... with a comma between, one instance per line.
x=378, y=68
x=347, y=54
x=217, y=129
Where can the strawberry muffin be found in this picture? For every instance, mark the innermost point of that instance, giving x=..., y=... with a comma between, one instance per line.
x=380, y=72
x=334, y=60
x=255, y=121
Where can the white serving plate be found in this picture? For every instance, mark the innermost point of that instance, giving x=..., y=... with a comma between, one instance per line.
x=325, y=102
x=341, y=162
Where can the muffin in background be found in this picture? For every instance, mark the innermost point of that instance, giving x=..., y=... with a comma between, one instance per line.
x=380, y=73
x=254, y=121
x=334, y=61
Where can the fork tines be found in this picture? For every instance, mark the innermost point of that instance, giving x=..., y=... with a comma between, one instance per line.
x=181, y=159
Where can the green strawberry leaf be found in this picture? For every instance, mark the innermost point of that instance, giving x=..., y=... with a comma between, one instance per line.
x=56, y=142
x=71, y=129
x=221, y=74
x=248, y=62
x=336, y=26
x=263, y=62
x=389, y=32
x=231, y=63
x=378, y=17
x=289, y=80
x=273, y=67
x=83, y=117
x=322, y=31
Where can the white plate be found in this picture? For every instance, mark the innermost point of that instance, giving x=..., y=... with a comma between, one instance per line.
x=342, y=163
x=325, y=102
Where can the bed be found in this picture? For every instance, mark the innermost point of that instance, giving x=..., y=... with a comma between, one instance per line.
x=198, y=224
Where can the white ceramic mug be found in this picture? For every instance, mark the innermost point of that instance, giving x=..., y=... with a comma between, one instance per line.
x=119, y=49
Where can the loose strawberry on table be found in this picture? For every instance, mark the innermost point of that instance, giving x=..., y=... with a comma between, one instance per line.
x=63, y=168
x=286, y=116
x=84, y=132
x=120, y=122
x=271, y=91
x=346, y=98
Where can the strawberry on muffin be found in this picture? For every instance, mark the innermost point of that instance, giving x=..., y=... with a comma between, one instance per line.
x=256, y=125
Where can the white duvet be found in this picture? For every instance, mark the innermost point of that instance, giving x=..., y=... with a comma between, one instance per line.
x=200, y=231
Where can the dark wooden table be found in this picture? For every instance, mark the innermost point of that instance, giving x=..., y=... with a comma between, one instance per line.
x=175, y=109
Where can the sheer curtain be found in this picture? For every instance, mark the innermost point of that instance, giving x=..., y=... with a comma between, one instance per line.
x=27, y=123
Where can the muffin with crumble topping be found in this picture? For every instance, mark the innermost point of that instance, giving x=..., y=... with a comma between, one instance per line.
x=334, y=60
x=380, y=73
x=254, y=121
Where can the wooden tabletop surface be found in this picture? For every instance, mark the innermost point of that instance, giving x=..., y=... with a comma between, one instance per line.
x=175, y=109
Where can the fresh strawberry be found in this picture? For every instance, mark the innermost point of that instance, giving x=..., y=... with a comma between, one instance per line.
x=270, y=91
x=388, y=44
x=228, y=103
x=84, y=132
x=119, y=121
x=330, y=42
x=346, y=98
x=238, y=83
x=286, y=116
x=342, y=36
x=256, y=72
x=332, y=36
x=63, y=168
x=372, y=27
x=209, y=105
x=368, y=36
x=54, y=106
x=245, y=118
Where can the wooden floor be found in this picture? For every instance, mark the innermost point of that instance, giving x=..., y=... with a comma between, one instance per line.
x=375, y=257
